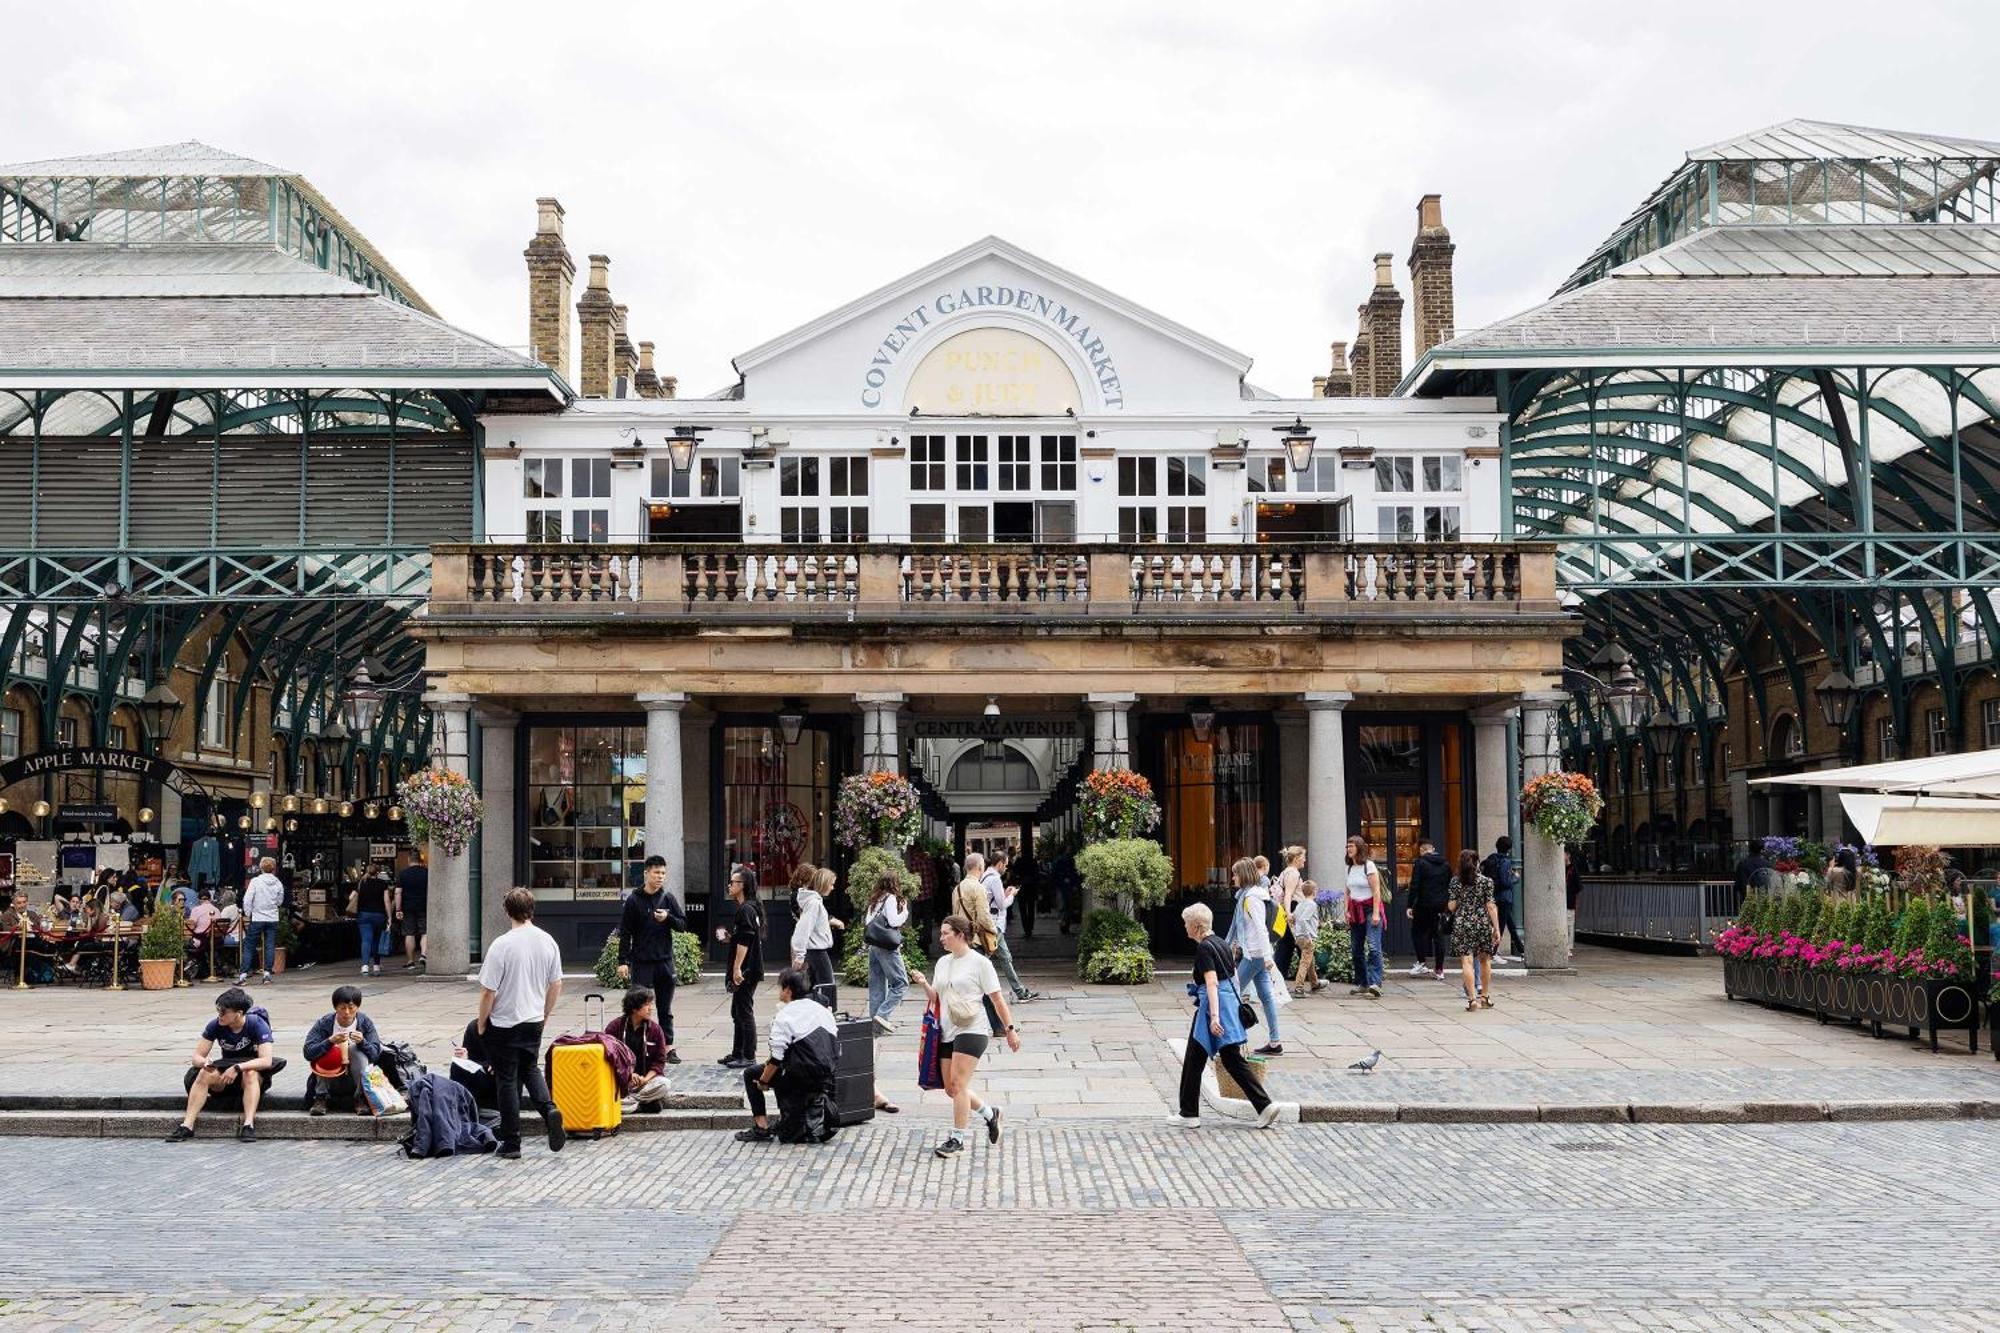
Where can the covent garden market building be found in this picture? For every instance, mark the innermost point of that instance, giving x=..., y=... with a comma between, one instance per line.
x=276, y=534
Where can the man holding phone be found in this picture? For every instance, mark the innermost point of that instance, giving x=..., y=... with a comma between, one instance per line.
x=646, y=943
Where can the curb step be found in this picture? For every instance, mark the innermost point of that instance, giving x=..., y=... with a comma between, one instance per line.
x=297, y=1125
x=1645, y=1113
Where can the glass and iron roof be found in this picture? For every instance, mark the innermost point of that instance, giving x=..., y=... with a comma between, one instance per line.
x=190, y=192
x=1807, y=172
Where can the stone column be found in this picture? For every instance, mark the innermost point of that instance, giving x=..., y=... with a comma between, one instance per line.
x=450, y=921
x=1542, y=900
x=1326, y=777
x=881, y=751
x=1493, y=791
x=498, y=871
x=1111, y=737
x=666, y=833
x=1294, y=777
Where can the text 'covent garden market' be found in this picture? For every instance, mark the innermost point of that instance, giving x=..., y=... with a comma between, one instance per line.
x=277, y=534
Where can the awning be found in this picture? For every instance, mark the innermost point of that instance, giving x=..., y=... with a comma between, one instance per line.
x=1941, y=821
x=1975, y=774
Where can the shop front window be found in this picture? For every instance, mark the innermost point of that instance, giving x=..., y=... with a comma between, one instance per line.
x=586, y=811
x=1213, y=800
x=775, y=802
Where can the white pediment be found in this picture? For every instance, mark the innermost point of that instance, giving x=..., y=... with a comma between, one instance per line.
x=992, y=331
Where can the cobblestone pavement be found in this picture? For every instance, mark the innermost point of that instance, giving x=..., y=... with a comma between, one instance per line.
x=1625, y=1027
x=1062, y=1226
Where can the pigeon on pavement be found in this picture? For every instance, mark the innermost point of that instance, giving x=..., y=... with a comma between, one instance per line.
x=1366, y=1064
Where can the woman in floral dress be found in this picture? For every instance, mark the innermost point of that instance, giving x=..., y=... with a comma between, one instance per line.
x=1475, y=929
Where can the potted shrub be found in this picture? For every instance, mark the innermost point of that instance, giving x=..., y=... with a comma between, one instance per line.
x=687, y=961
x=1108, y=931
x=288, y=943
x=162, y=950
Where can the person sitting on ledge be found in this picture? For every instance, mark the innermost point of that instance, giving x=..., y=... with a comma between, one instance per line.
x=340, y=1048
x=647, y=1041
x=242, y=1068
x=805, y=1050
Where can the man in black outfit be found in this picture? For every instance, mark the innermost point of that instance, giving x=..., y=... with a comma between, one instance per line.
x=1753, y=871
x=1430, y=890
x=646, y=943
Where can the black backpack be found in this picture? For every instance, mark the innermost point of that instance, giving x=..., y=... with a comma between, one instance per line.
x=401, y=1064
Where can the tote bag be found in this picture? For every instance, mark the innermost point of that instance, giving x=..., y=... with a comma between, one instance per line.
x=930, y=1073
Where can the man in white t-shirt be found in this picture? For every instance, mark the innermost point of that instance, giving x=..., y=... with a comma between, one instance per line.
x=520, y=981
x=999, y=898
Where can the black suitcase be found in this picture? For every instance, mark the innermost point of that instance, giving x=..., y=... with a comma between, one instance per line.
x=854, y=1079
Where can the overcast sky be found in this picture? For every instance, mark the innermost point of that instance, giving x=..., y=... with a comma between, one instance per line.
x=748, y=167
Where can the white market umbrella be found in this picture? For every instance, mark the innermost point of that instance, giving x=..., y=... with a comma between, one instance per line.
x=1899, y=820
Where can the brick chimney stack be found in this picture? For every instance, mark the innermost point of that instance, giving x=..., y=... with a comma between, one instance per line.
x=624, y=356
x=1431, y=309
x=597, y=323
x=1339, y=381
x=550, y=273
x=646, y=380
x=1360, y=361
x=1385, y=330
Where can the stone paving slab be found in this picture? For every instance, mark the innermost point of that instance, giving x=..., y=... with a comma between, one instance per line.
x=1109, y=1226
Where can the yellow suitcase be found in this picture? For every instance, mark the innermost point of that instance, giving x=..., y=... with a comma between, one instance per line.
x=581, y=1082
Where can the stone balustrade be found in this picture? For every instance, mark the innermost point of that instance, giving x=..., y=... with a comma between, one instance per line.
x=1258, y=581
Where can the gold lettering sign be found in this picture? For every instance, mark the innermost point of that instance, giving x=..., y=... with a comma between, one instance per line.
x=992, y=372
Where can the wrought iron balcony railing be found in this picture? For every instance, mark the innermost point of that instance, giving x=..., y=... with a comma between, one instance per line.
x=1263, y=581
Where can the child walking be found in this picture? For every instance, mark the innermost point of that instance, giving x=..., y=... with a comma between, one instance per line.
x=1305, y=933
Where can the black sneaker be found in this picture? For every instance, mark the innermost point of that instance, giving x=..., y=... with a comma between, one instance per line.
x=1269, y=1048
x=727, y=1060
x=993, y=1126
x=180, y=1134
x=948, y=1147
x=246, y=1133
x=651, y=1108
x=318, y=1108
x=510, y=1152
x=557, y=1137
x=410, y=966
x=739, y=1062
x=673, y=1057
x=754, y=1134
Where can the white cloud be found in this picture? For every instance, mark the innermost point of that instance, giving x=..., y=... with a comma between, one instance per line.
x=750, y=166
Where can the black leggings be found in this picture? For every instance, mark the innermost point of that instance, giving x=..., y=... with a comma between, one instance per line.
x=1196, y=1060
x=819, y=972
x=743, y=1016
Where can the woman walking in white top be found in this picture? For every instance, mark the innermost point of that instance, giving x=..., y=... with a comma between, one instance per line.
x=1252, y=933
x=812, y=937
x=887, y=979
x=1365, y=917
x=964, y=979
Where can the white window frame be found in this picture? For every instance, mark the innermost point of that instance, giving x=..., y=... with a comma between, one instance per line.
x=1989, y=722
x=214, y=729
x=13, y=726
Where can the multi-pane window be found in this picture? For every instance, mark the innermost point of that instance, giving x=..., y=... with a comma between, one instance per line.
x=1936, y=732
x=1139, y=479
x=586, y=811
x=1273, y=474
x=709, y=479
x=971, y=455
x=927, y=462
x=543, y=485
x=1058, y=462
x=1989, y=723
x=1401, y=473
x=822, y=497
x=119, y=737
x=11, y=721
x=1015, y=470
x=215, y=715
x=1408, y=523
x=1138, y=476
x=66, y=733
x=1885, y=738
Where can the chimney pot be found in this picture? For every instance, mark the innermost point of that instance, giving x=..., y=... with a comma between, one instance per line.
x=1432, y=309
x=645, y=356
x=600, y=272
x=548, y=217
x=1385, y=275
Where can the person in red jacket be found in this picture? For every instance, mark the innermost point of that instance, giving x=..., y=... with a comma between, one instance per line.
x=644, y=1037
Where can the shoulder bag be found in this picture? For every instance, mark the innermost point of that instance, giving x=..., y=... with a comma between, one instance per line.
x=879, y=934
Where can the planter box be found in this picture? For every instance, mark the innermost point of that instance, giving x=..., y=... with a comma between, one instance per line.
x=1916, y=1006
x=157, y=973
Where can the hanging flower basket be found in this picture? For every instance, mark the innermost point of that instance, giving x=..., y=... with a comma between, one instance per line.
x=878, y=809
x=441, y=808
x=1117, y=803
x=1562, y=806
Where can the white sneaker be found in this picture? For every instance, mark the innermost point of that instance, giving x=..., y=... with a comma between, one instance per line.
x=1184, y=1121
x=1269, y=1115
x=1418, y=969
